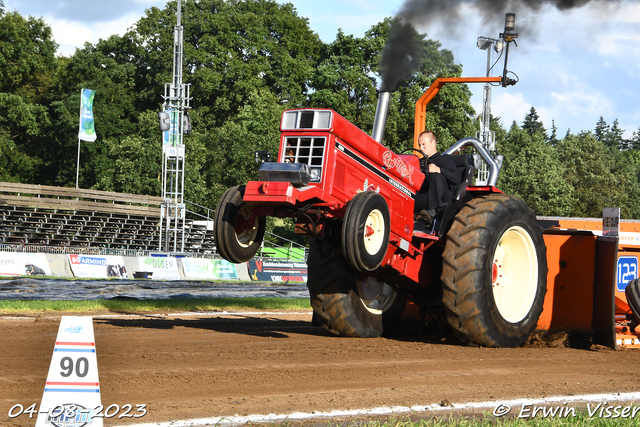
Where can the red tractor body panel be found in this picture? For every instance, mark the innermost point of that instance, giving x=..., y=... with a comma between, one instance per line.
x=347, y=162
x=352, y=162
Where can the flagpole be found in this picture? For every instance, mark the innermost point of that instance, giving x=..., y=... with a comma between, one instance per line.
x=78, y=164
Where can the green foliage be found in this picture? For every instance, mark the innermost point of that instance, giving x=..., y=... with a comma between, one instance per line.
x=533, y=172
x=26, y=56
x=532, y=123
x=135, y=161
x=27, y=70
x=345, y=80
x=611, y=136
x=594, y=174
x=256, y=127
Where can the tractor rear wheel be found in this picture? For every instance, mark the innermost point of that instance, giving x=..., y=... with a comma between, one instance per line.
x=345, y=302
x=365, y=231
x=237, y=233
x=494, y=272
x=632, y=292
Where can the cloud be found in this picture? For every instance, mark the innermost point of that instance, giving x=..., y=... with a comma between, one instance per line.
x=72, y=34
x=577, y=103
x=509, y=107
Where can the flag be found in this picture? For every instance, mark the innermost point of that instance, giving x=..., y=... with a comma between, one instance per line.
x=170, y=137
x=87, y=129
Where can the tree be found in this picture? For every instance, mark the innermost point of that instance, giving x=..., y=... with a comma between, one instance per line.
x=601, y=130
x=231, y=48
x=611, y=136
x=634, y=142
x=114, y=108
x=532, y=123
x=27, y=69
x=595, y=174
x=230, y=160
x=553, y=139
x=614, y=137
x=532, y=171
x=136, y=160
x=345, y=80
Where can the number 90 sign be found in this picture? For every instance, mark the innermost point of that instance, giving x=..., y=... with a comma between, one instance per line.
x=627, y=271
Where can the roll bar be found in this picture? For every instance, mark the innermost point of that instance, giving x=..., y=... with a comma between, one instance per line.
x=494, y=169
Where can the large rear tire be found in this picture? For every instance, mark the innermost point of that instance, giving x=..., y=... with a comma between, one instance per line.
x=494, y=272
x=237, y=233
x=345, y=302
x=365, y=231
x=632, y=292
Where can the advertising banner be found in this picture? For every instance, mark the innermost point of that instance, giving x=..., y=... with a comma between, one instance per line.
x=87, y=128
x=277, y=271
x=163, y=268
x=213, y=269
x=24, y=264
x=98, y=266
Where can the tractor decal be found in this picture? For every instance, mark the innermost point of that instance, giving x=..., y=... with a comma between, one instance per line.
x=405, y=170
x=381, y=174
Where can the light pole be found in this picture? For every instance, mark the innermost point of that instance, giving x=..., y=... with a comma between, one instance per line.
x=174, y=120
x=486, y=43
x=485, y=135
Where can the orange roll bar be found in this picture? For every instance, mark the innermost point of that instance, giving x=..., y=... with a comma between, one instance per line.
x=421, y=104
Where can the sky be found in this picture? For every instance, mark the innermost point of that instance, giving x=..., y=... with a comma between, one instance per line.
x=574, y=66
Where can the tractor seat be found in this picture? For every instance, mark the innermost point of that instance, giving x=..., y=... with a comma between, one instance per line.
x=465, y=170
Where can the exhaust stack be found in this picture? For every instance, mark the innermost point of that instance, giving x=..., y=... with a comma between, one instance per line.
x=380, y=120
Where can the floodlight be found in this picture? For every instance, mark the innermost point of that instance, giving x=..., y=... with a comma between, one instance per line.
x=484, y=43
x=186, y=123
x=498, y=46
x=165, y=122
x=510, y=22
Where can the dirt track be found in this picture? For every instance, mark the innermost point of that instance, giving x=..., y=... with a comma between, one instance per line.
x=207, y=366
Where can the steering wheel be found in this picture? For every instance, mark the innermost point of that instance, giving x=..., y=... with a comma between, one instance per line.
x=414, y=149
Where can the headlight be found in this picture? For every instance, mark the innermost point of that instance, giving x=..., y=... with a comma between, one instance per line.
x=315, y=175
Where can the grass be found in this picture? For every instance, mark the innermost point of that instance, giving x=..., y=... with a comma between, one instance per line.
x=581, y=419
x=137, y=306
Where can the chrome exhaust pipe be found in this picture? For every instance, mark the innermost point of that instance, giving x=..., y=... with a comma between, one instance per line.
x=380, y=120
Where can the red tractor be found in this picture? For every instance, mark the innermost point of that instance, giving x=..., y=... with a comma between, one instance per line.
x=481, y=265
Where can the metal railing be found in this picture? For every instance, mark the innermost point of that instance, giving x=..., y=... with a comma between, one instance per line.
x=300, y=252
x=290, y=250
x=210, y=212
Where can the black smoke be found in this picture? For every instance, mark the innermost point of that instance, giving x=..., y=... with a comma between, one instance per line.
x=403, y=53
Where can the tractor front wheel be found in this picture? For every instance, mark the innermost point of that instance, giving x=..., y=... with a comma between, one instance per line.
x=365, y=231
x=238, y=233
x=494, y=272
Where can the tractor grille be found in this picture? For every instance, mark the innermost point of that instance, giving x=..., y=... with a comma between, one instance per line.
x=306, y=150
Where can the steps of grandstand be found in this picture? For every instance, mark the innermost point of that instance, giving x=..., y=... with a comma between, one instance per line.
x=59, y=217
x=40, y=218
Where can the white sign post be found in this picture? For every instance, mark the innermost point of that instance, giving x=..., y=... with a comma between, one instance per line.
x=611, y=222
x=72, y=391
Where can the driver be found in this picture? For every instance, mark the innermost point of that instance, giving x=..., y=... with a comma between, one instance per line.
x=440, y=172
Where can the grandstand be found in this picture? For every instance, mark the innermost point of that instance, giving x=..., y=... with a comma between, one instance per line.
x=79, y=220
x=40, y=218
